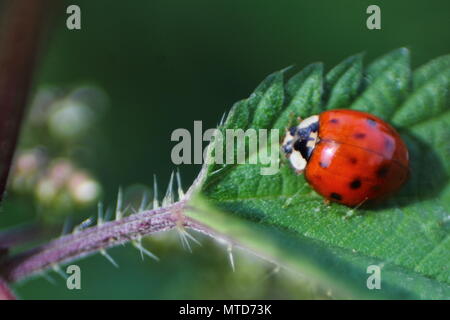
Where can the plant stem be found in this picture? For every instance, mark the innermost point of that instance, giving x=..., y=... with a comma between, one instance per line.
x=88, y=241
x=20, y=32
x=5, y=292
x=102, y=236
x=21, y=28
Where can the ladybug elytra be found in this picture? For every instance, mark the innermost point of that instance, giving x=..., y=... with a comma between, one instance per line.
x=348, y=156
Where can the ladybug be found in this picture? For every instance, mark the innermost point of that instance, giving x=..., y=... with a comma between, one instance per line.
x=348, y=156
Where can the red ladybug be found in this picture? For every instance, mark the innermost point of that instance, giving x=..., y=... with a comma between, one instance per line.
x=348, y=156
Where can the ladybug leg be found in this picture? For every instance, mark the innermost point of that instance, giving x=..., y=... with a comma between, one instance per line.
x=326, y=201
x=289, y=200
x=350, y=213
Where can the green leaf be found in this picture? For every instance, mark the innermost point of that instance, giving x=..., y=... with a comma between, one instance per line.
x=343, y=82
x=268, y=101
x=430, y=97
x=282, y=219
x=387, y=83
x=304, y=91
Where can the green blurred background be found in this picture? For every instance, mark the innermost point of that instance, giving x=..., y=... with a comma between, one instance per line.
x=164, y=64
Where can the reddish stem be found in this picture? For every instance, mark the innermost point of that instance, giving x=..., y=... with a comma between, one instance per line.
x=91, y=240
x=5, y=292
x=21, y=28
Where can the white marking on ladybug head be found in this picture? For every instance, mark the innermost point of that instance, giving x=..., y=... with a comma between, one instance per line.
x=297, y=161
x=308, y=121
x=314, y=137
x=300, y=141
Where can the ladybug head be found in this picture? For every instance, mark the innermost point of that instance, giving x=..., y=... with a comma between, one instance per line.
x=299, y=142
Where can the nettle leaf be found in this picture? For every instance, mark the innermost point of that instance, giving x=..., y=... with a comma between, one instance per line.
x=343, y=82
x=281, y=218
x=387, y=82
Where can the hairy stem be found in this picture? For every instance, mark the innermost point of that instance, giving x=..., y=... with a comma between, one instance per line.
x=214, y=234
x=102, y=236
x=88, y=241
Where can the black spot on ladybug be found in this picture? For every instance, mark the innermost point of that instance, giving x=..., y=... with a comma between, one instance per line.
x=323, y=164
x=359, y=135
x=371, y=122
x=336, y=196
x=353, y=160
x=382, y=171
x=335, y=121
x=355, y=184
